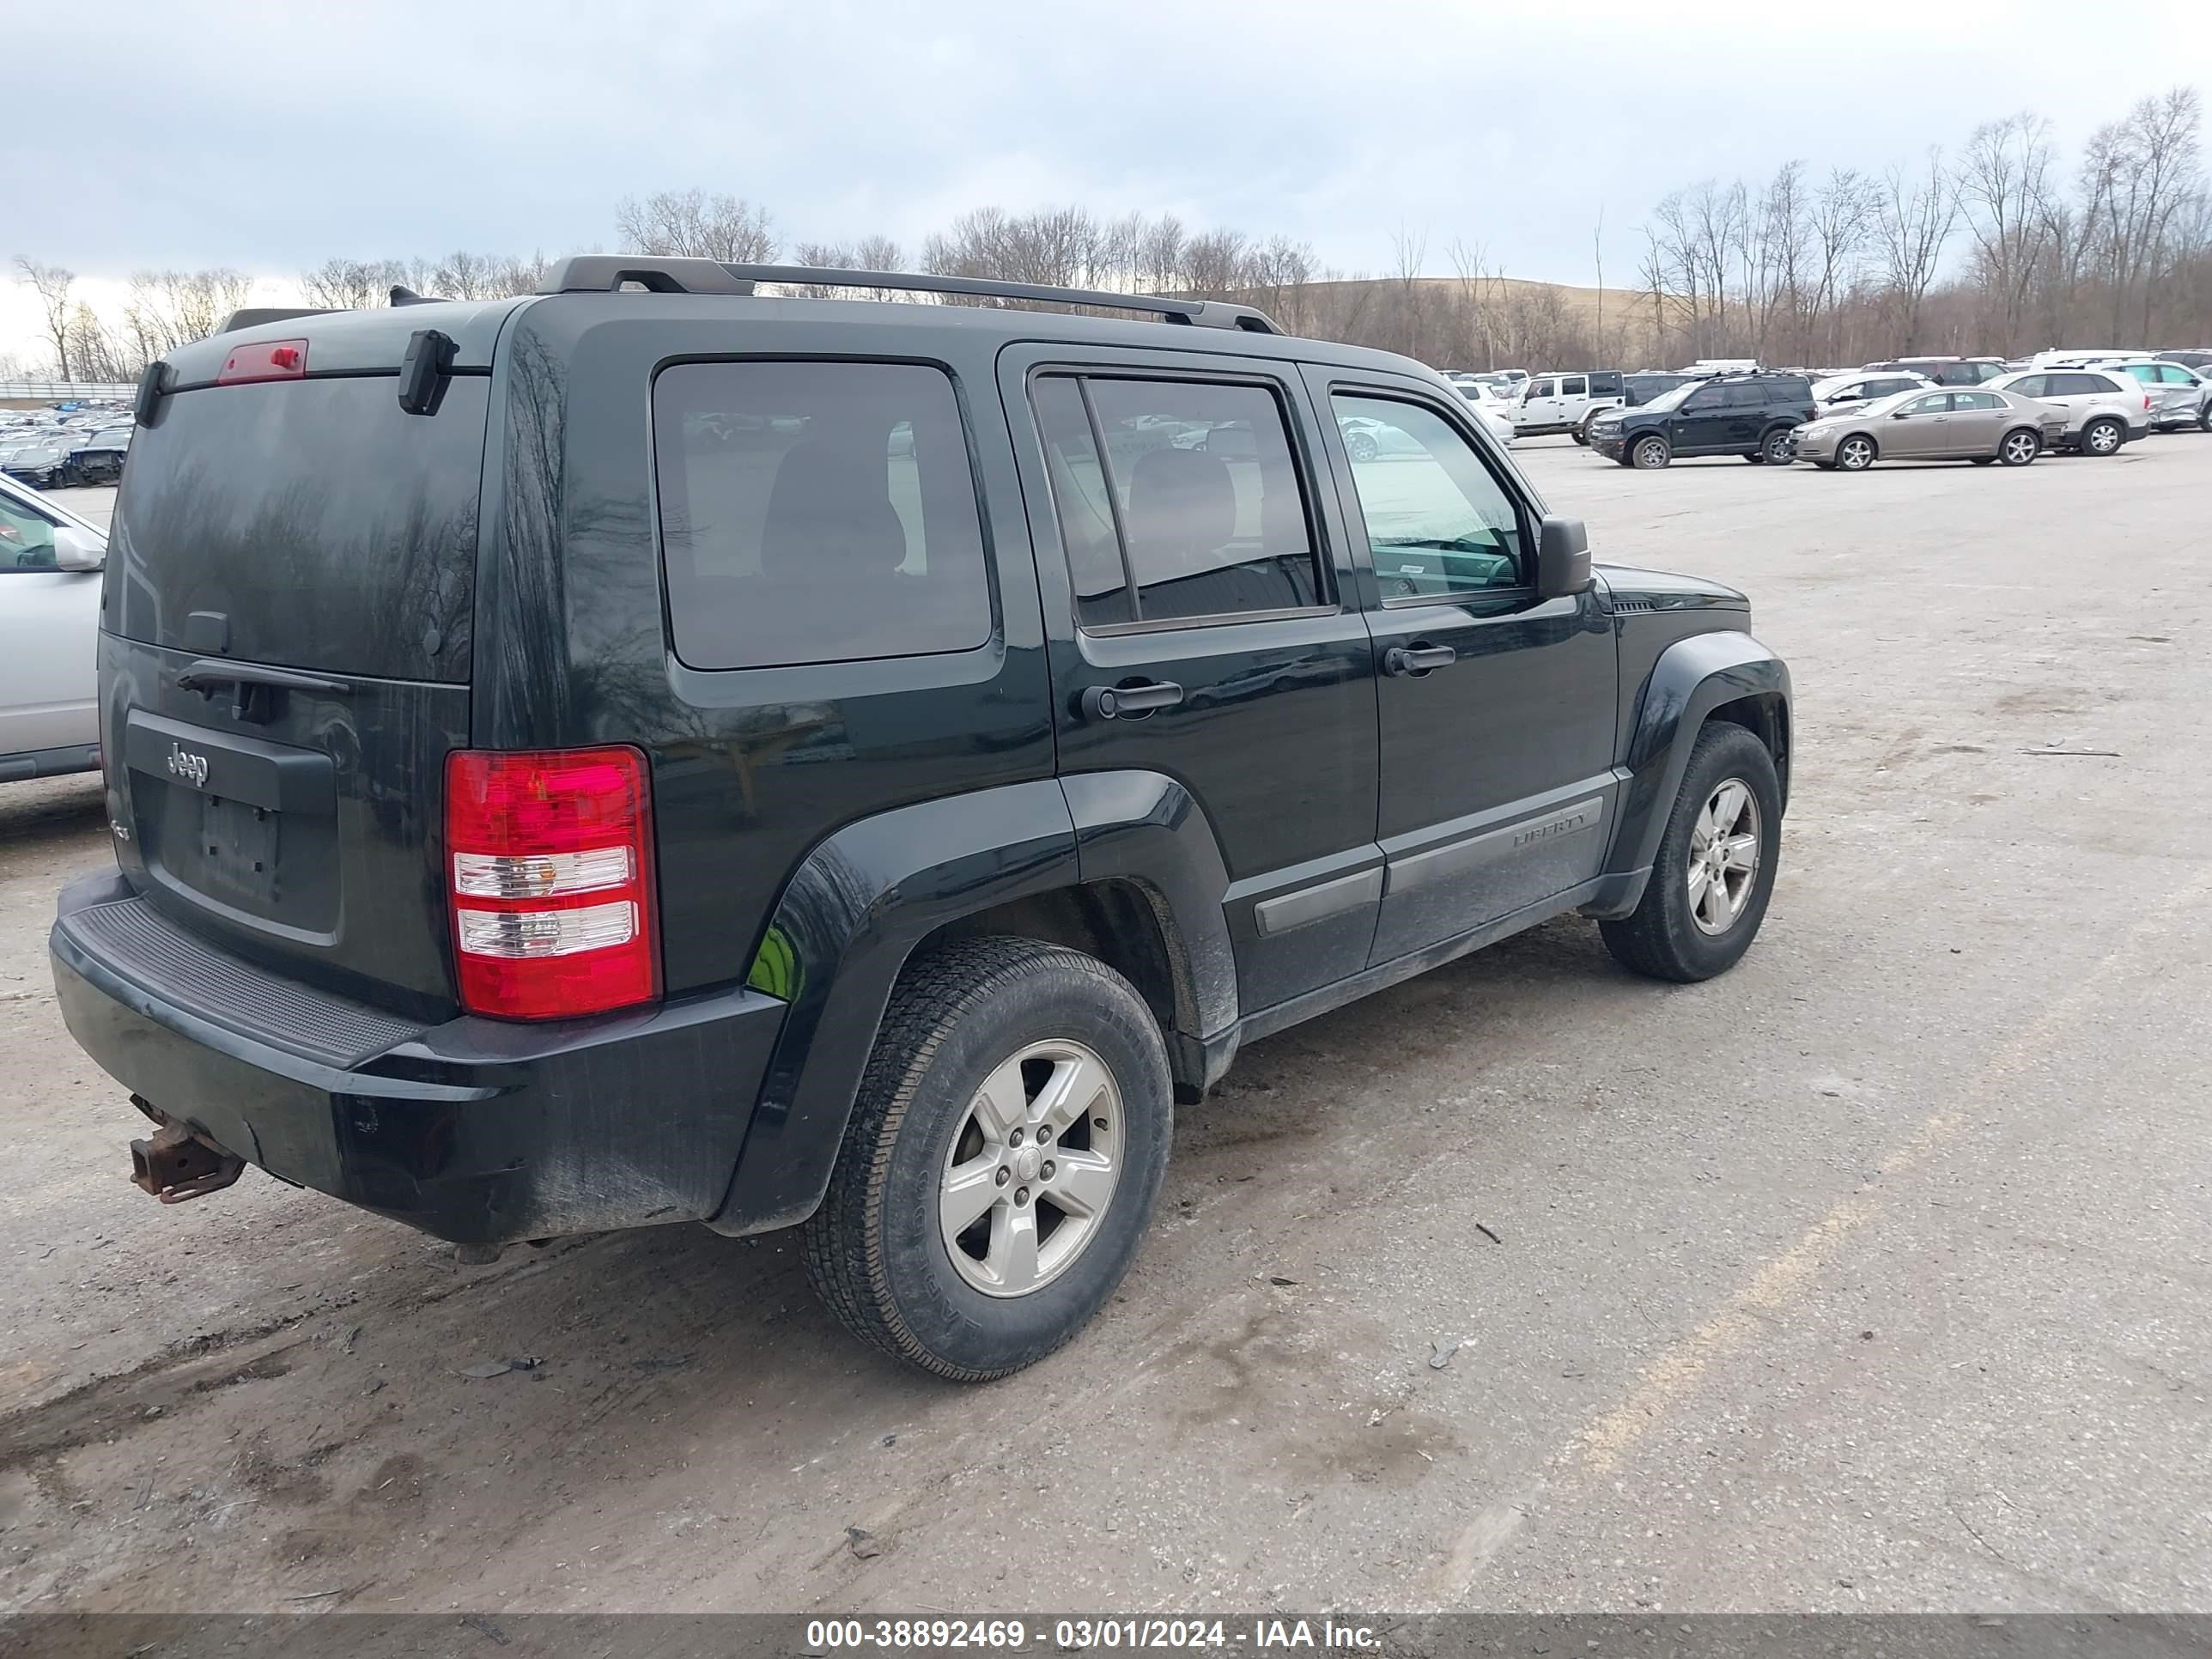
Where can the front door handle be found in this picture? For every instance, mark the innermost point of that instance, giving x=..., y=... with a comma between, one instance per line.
x=1110, y=702
x=1417, y=659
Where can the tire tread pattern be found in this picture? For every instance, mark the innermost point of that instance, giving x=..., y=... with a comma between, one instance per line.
x=843, y=1240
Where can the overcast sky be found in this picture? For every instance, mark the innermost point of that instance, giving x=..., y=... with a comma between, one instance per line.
x=269, y=136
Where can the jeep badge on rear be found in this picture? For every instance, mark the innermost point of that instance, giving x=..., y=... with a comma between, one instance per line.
x=192, y=768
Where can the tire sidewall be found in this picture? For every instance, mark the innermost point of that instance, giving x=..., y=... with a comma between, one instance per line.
x=1723, y=750
x=946, y=1315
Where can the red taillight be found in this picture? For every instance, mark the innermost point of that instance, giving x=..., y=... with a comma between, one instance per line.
x=266, y=359
x=550, y=878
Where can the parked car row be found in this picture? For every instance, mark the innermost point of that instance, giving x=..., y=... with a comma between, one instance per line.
x=75, y=443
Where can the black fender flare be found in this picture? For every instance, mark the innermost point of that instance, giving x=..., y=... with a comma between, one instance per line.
x=858, y=905
x=1692, y=677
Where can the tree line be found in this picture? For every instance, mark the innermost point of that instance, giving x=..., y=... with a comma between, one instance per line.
x=2000, y=248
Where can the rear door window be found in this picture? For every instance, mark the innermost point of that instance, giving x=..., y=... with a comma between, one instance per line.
x=1178, y=500
x=1575, y=386
x=814, y=512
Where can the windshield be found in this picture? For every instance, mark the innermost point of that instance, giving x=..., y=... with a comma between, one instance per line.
x=1672, y=398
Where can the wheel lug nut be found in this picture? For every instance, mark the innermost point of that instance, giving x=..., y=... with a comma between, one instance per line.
x=1004, y=1176
x=1015, y=1139
x=1044, y=1134
x=1021, y=1195
x=1047, y=1171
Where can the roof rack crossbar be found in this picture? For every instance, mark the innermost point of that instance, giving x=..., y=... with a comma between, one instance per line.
x=597, y=273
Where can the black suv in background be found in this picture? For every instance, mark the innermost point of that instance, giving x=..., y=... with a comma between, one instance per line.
x=618, y=756
x=1746, y=415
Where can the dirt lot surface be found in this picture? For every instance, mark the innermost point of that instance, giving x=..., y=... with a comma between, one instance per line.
x=1872, y=1276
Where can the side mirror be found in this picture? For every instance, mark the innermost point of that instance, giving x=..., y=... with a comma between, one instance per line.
x=74, y=549
x=1899, y=414
x=1563, y=560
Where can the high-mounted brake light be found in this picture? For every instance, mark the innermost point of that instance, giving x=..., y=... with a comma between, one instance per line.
x=549, y=876
x=264, y=360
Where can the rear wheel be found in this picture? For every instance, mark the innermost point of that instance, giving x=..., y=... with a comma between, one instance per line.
x=2204, y=417
x=1647, y=454
x=1775, y=447
x=1006, y=1145
x=1855, y=453
x=2018, y=447
x=1715, y=868
x=2103, y=437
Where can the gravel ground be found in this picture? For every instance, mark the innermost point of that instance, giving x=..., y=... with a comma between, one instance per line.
x=1870, y=1277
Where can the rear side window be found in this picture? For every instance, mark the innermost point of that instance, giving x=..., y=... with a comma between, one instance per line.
x=1575, y=386
x=1195, y=509
x=2084, y=385
x=1976, y=400
x=2031, y=386
x=1605, y=383
x=815, y=511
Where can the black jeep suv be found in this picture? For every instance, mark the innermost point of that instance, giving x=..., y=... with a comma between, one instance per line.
x=1746, y=415
x=618, y=756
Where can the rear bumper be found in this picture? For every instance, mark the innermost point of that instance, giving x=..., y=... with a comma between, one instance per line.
x=477, y=1131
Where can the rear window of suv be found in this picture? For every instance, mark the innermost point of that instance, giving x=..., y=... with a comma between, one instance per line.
x=814, y=512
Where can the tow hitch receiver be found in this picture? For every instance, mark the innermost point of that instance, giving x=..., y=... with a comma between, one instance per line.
x=176, y=1163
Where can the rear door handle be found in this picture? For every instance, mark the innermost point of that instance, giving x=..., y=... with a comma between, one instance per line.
x=1109, y=702
x=1417, y=659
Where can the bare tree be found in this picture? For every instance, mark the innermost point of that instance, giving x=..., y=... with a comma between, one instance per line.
x=170, y=308
x=2003, y=188
x=1914, y=213
x=692, y=224
x=52, y=283
x=1842, y=216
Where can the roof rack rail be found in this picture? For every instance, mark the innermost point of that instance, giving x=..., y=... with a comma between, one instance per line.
x=597, y=273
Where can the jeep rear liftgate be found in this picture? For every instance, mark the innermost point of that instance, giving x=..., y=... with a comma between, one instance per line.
x=287, y=642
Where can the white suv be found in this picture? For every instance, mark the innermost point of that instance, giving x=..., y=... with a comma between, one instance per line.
x=50, y=563
x=2104, y=409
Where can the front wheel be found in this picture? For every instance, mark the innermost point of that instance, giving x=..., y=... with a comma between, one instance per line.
x=1360, y=446
x=1647, y=454
x=2204, y=418
x=1715, y=868
x=1854, y=453
x=1006, y=1145
x=2019, y=448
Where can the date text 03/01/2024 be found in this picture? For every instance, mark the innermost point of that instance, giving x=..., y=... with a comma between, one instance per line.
x=1079, y=1635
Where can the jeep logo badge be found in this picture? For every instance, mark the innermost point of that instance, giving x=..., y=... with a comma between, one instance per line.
x=192, y=768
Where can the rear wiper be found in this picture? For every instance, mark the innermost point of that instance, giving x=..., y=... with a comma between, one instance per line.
x=251, y=686
x=209, y=673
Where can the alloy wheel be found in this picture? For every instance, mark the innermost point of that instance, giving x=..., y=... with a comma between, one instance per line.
x=1855, y=453
x=1032, y=1168
x=2020, y=449
x=1723, y=857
